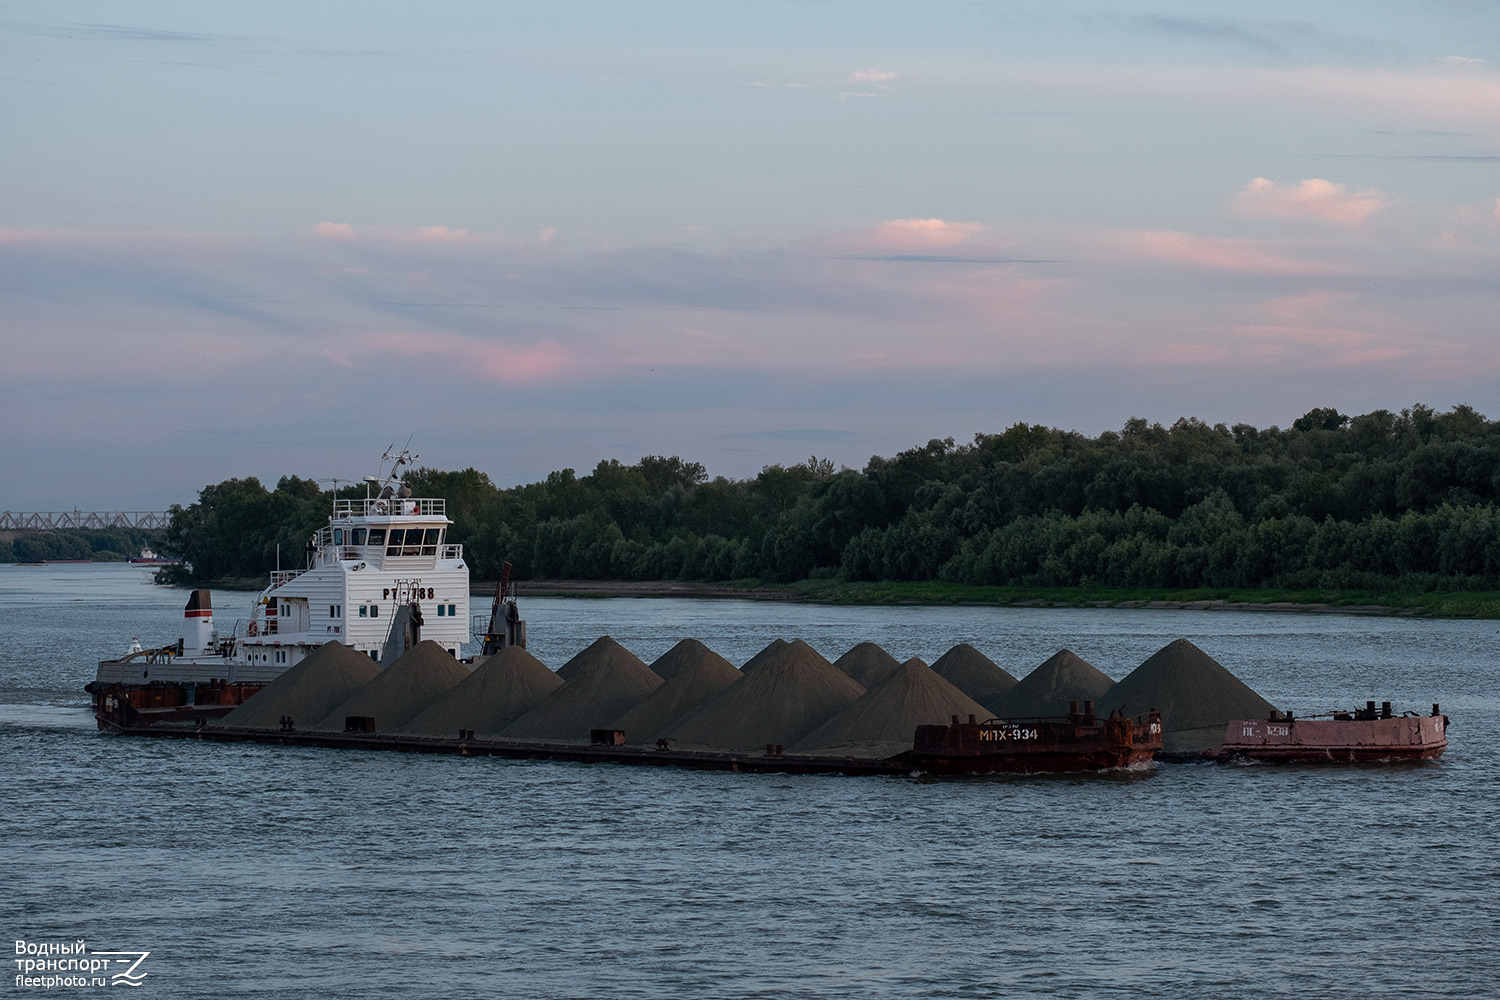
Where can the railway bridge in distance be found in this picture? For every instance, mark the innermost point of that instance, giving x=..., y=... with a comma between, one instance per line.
x=62, y=520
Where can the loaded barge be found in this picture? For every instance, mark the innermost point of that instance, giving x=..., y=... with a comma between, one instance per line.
x=380, y=577
x=1081, y=742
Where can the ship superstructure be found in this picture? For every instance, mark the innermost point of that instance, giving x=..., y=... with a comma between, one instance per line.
x=379, y=577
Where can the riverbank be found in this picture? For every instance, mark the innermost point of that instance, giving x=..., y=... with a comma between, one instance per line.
x=1438, y=605
x=1456, y=604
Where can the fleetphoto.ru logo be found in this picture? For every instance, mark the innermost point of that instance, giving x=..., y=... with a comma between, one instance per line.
x=50, y=965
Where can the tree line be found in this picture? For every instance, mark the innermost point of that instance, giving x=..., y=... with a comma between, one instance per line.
x=1382, y=501
x=93, y=544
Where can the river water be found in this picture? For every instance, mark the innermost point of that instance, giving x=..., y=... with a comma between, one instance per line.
x=298, y=872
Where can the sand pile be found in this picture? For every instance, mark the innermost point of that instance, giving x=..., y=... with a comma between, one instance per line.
x=772, y=647
x=604, y=653
x=1197, y=697
x=698, y=673
x=1046, y=691
x=882, y=722
x=684, y=654
x=601, y=684
x=973, y=673
x=498, y=692
x=791, y=692
x=402, y=691
x=868, y=664
x=307, y=691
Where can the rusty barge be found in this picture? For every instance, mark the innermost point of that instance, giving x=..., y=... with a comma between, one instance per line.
x=1364, y=735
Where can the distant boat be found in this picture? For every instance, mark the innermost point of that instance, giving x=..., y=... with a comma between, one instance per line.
x=149, y=558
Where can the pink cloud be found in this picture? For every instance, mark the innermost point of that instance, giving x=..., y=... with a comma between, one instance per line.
x=1302, y=306
x=1215, y=253
x=344, y=232
x=1187, y=354
x=1313, y=198
x=924, y=232
x=539, y=362
x=334, y=230
x=442, y=234
x=871, y=76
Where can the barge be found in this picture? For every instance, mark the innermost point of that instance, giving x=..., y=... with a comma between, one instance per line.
x=1080, y=742
x=380, y=577
x=1364, y=735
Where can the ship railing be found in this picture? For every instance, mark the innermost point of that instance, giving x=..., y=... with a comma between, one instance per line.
x=391, y=506
x=451, y=552
x=281, y=576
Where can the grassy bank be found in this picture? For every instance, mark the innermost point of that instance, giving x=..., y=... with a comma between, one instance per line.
x=1445, y=605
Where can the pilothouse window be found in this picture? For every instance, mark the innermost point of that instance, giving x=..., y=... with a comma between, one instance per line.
x=377, y=536
x=359, y=536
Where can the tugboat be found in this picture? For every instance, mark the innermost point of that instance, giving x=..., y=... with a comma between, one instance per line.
x=379, y=577
x=1366, y=734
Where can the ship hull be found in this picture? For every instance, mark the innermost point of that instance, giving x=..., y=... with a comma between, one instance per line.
x=1347, y=741
x=1082, y=755
x=1080, y=742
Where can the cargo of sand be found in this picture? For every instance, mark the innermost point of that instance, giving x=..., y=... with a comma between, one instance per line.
x=1196, y=695
x=1046, y=692
x=402, y=691
x=973, y=673
x=885, y=718
x=792, y=691
x=697, y=674
x=600, y=684
x=307, y=691
x=496, y=693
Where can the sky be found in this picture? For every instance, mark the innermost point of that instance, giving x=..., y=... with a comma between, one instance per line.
x=277, y=238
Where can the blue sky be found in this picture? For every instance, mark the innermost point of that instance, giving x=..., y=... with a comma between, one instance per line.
x=259, y=239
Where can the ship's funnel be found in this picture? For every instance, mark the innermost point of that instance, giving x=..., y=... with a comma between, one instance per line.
x=198, y=626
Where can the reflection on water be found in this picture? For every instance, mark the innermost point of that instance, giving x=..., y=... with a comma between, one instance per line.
x=303, y=872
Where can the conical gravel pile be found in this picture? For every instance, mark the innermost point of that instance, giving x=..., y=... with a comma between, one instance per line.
x=1196, y=696
x=307, y=691
x=1046, y=691
x=868, y=664
x=684, y=654
x=884, y=720
x=599, y=686
x=791, y=692
x=603, y=650
x=695, y=679
x=772, y=648
x=402, y=691
x=499, y=691
x=973, y=673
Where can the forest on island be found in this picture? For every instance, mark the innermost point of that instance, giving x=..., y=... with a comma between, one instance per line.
x=1379, y=502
